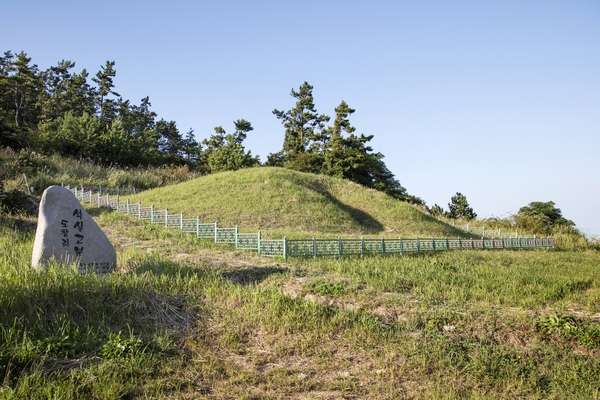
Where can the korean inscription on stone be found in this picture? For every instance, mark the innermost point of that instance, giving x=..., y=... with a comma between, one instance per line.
x=68, y=234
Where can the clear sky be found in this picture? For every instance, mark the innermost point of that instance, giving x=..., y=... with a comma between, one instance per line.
x=498, y=100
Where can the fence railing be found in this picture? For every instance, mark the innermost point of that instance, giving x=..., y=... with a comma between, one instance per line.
x=304, y=247
x=481, y=231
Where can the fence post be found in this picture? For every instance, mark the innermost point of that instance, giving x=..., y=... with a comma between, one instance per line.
x=99, y=191
x=285, y=253
x=383, y=246
x=482, y=243
x=91, y=196
x=181, y=222
x=447, y=244
x=152, y=214
x=216, y=229
x=362, y=246
x=259, y=240
x=197, y=227
x=493, y=243
x=340, y=251
x=139, y=209
x=236, y=236
x=459, y=243
x=118, y=191
x=400, y=240
x=166, y=217
x=472, y=244
x=433, y=243
x=107, y=202
x=314, y=247
x=418, y=246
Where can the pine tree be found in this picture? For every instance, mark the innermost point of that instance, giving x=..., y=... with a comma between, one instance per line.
x=459, y=208
x=56, y=81
x=225, y=152
x=304, y=132
x=104, y=80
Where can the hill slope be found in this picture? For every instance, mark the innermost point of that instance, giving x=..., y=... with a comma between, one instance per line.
x=281, y=201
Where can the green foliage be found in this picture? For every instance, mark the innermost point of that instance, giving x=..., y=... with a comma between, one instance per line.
x=14, y=201
x=459, y=208
x=104, y=80
x=585, y=333
x=43, y=171
x=336, y=151
x=224, y=152
x=541, y=217
x=304, y=127
x=58, y=111
x=436, y=210
x=118, y=347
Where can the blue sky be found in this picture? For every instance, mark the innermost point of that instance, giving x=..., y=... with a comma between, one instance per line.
x=498, y=100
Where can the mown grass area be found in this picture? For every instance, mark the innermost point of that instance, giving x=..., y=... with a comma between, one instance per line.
x=288, y=203
x=181, y=319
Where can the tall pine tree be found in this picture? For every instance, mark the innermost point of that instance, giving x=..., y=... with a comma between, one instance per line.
x=305, y=133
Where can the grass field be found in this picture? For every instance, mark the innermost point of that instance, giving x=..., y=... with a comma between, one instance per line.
x=186, y=319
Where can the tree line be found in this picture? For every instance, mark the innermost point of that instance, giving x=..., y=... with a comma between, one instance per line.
x=538, y=217
x=60, y=110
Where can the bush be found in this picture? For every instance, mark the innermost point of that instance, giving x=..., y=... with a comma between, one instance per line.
x=15, y=202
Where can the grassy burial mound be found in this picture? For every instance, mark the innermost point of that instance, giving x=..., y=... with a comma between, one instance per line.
x=281, y=201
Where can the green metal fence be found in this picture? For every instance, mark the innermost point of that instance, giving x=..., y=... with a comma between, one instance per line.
x=301, y=248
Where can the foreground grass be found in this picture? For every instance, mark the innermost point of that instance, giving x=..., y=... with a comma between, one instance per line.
x=181, y=319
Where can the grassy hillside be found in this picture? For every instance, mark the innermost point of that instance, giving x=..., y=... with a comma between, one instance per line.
x=280, y=201
x=43, y=171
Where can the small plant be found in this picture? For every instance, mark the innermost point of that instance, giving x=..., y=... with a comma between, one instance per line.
x=61, y=346
x=556, y=323
x=119, y=347
x=584, y=333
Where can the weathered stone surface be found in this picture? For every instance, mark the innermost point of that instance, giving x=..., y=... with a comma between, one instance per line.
x=68, y=234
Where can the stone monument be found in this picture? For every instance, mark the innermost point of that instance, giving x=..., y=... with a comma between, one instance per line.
x=69, y=235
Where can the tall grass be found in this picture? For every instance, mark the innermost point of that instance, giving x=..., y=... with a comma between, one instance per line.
x=42, y=171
